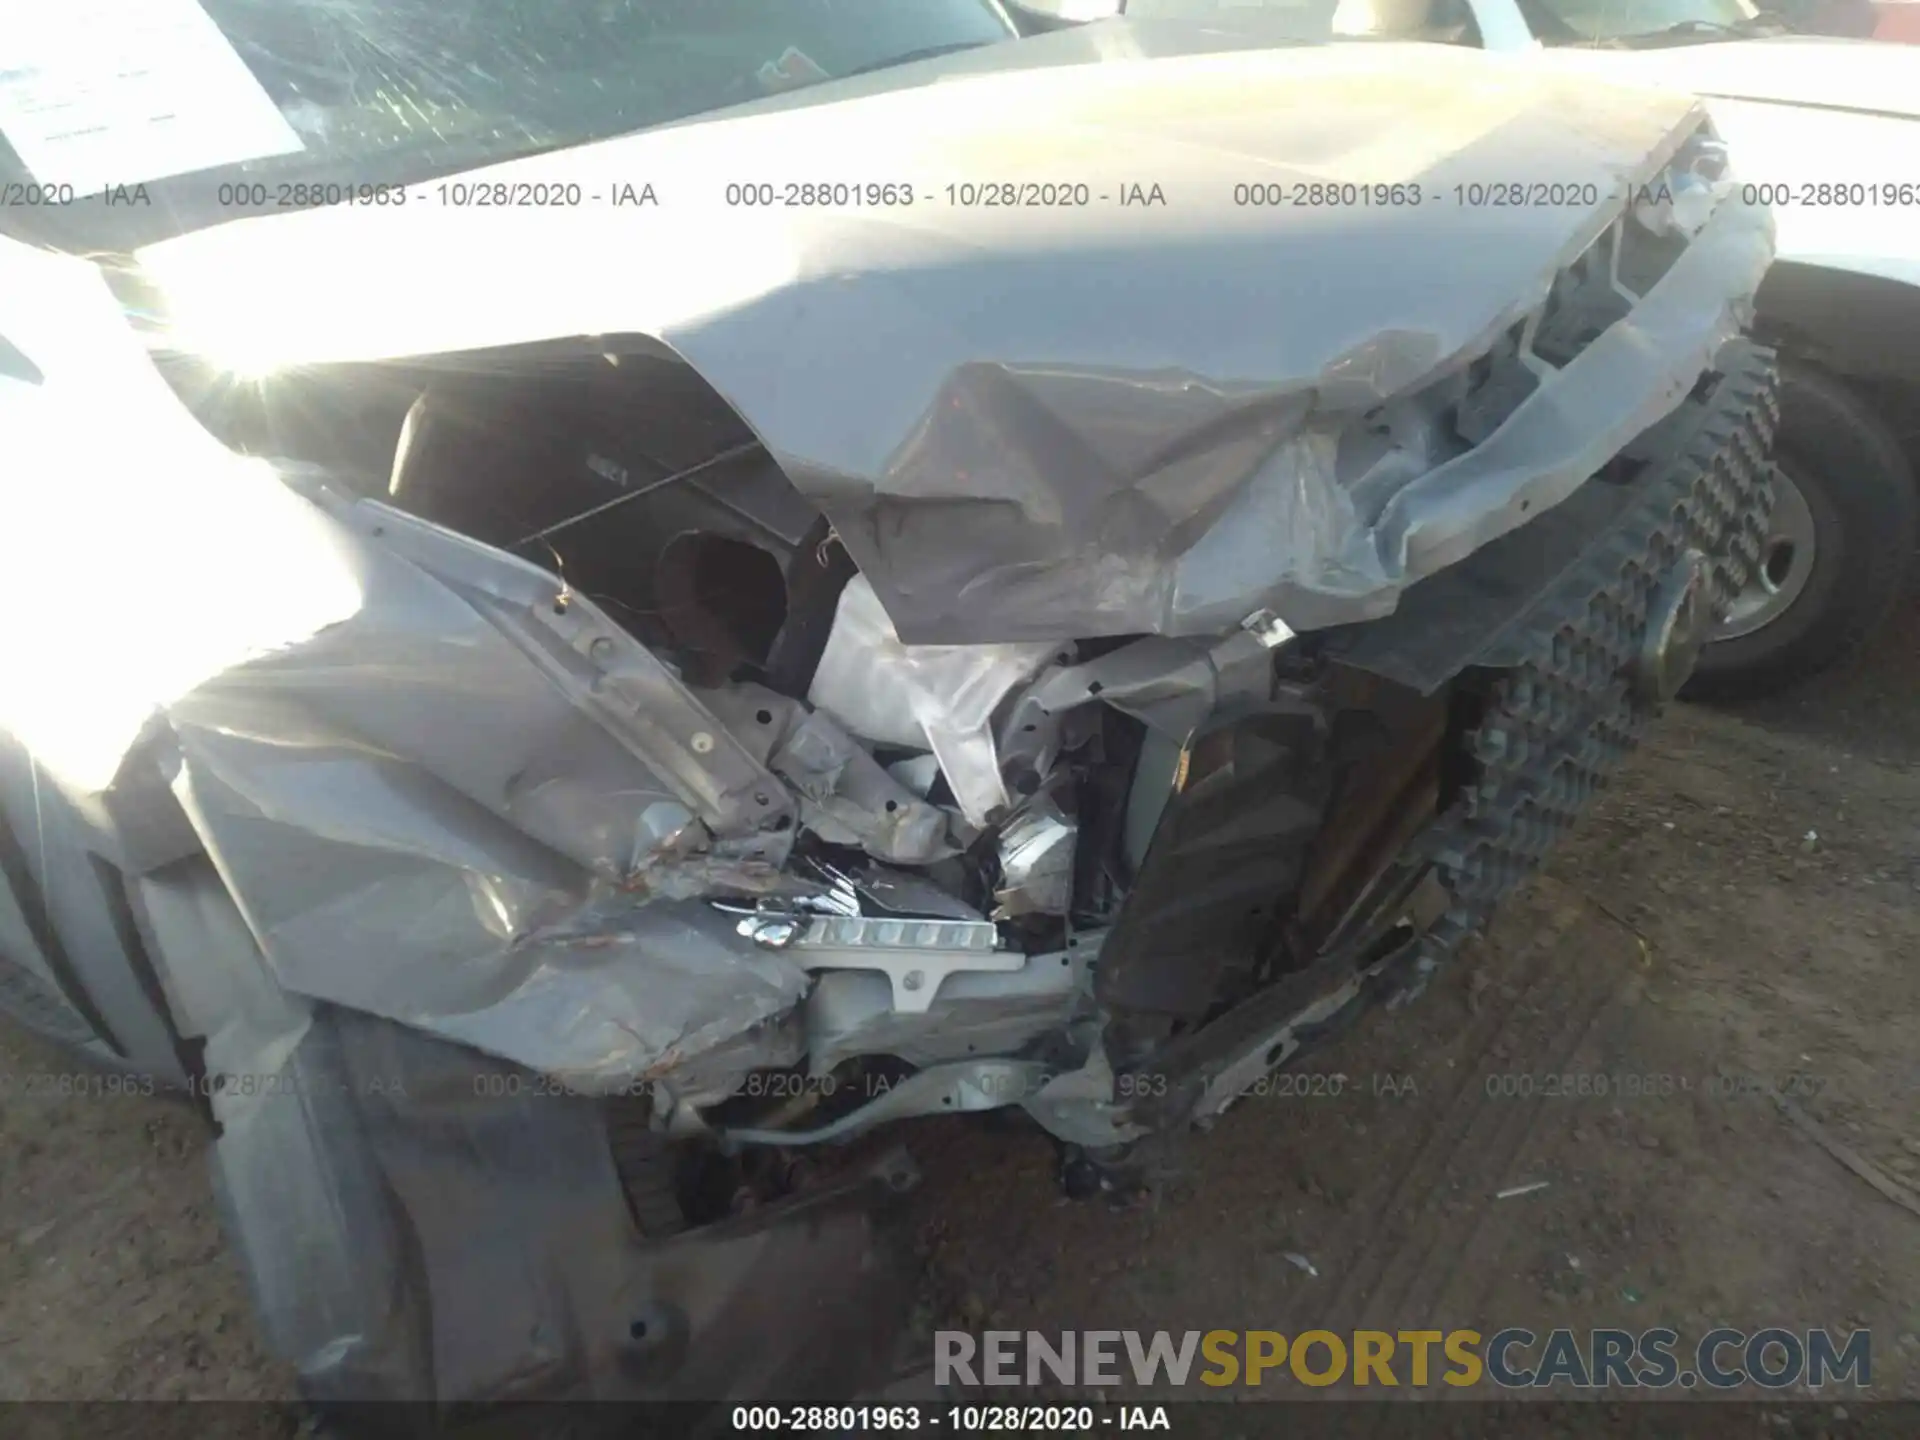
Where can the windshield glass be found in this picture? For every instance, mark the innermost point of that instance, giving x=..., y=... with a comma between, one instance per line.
x=199, y=103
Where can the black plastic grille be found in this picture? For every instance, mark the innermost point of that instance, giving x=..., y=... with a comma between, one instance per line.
x=1580, y=306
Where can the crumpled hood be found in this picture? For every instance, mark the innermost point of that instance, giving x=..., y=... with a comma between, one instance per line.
x=1827, y=73
x=1022, y=418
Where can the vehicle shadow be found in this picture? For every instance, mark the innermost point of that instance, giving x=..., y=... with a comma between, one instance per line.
x=1849, y=708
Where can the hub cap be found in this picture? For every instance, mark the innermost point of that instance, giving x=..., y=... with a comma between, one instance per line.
x=1786, y=563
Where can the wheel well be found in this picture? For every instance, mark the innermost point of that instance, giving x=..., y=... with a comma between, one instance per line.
x=1863, y=328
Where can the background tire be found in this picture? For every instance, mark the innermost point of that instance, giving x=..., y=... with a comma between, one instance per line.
x=74, y=968
x=1848, y=485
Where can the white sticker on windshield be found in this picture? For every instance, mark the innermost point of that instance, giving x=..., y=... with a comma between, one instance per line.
x=99, y=93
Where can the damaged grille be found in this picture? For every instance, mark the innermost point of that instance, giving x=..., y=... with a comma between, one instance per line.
x=1562, y=715
x=1595, y=290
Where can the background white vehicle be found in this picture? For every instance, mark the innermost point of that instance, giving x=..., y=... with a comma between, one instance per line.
x=1824, y=130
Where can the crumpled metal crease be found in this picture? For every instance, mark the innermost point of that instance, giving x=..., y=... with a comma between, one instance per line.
x=1003, y=519
x=371, y=885
x=846, y=796
x=489, y=888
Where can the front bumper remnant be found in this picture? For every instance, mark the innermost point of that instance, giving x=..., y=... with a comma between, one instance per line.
x=418, y=1220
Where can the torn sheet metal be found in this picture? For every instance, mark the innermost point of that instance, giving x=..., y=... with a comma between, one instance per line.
x=1144, y=430
x=601, y=680
x=941, y=698
x=845, y=796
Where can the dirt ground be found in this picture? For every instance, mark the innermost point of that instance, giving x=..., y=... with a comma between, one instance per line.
x=1743, y=907
x=1745, y=903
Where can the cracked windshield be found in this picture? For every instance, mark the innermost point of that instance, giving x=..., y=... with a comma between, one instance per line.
x=181, y=96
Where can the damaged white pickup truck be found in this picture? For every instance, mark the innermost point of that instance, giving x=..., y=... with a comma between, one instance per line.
x=541, y=712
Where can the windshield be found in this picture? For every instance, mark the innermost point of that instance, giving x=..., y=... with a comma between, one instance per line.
x=124, y=121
